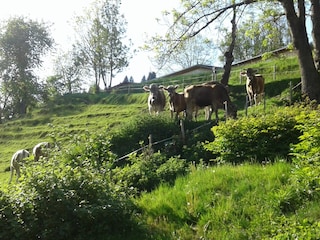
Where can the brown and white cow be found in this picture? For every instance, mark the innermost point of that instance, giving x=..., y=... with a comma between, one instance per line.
x=156, y=99
x=177, y=102
x=254, y=86
x=214, y=96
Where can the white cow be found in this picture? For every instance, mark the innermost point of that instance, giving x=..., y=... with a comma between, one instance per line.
x=15, y=162
x=40, y=150
x=156, y=99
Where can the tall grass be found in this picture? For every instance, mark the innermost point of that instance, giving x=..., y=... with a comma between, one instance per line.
x=226, y=202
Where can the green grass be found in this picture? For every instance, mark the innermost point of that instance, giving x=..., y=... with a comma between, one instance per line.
x=76, y=113
x=220, y=202
x=227, y=202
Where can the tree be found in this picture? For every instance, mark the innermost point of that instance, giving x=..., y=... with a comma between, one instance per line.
x=197, y=50
x=101, y=33
x=264, y=30
x=143, y=80
x=296, y=16
x=69, y=73
x=125, y=80
x=194, y=17
x=22, y=44
x=315, y=17
x=152, y=75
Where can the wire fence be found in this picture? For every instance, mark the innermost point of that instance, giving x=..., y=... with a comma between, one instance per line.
x=270, y=75
x=151, y=143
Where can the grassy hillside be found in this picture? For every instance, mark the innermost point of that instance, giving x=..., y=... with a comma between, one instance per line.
x=184, y=191
x=77, y=113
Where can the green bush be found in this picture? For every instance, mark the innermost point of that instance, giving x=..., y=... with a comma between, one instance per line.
x=167, y=133
x=306, y=175
x=144, y=172
x=258, y=139
x=136, y=133
x=68, y=196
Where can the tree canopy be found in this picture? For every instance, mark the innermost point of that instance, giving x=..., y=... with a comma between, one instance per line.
x=23, y=43
x=195, y=17
x=101, y=41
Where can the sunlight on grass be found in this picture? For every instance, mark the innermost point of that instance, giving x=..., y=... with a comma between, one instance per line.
x=212, y=199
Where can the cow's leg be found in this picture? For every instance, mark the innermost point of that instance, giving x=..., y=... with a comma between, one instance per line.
x=189, y=112
x=208, y=110
x=250, y=99
x=18, y=172
x=11, y=170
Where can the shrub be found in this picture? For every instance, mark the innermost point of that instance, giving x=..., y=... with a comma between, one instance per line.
x=136, y=132
x=258, y=139
x=305, y=179
x=68, y=197
x=144, y=172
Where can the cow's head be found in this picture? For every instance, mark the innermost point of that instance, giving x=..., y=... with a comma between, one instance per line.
x=232, y=111
x=250, y=74
x=154, y=92
x=171, y=90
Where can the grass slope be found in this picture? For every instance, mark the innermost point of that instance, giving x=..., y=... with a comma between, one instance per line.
x=77, y=113
x=227, y=202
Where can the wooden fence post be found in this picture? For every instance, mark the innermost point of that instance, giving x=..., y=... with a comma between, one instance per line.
x=274, y=72
x=226, y=109
x=290, y=97
x=150, y=141
x=183, y=134
x=246, y=106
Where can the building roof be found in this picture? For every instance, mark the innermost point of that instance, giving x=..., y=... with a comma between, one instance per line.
x=191, y=70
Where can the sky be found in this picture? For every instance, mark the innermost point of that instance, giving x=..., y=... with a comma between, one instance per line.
x=140, y=15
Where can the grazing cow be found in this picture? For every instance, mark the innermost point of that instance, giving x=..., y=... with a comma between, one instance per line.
x=177, y=102
x=214, y=96
x=40, y=150
x=254, y=86
x=156, y=99
x=15, y=162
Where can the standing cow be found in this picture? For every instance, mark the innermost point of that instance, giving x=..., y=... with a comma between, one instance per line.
x=254, y=86
x=177, y=102
x=215, y=96
x=156, y=99
x=15, y=162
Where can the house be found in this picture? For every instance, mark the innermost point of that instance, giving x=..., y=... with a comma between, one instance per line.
x=278, y=52
x=193, y=70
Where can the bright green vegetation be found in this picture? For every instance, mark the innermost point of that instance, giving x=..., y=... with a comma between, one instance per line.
x=256, y=177
x=227, y=202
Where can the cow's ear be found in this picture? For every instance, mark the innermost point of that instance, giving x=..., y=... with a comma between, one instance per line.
x=176, y=86
x=146, y=88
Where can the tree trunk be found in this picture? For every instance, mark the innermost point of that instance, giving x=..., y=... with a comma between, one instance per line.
x=315, y=18
x=310, y=80
x=229, y=54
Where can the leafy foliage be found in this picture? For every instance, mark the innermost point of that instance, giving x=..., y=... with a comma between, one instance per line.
x=146, y=171
x=22, y=44
x=68, y=196
x=258, y=139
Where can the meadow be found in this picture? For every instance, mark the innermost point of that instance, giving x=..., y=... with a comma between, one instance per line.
x=251, y=178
